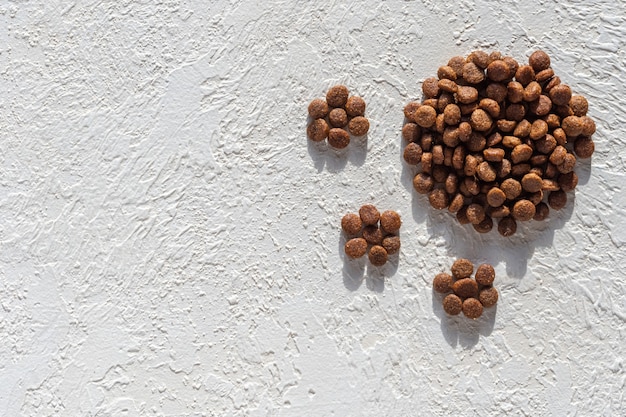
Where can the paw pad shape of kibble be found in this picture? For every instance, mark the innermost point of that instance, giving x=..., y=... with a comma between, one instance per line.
x=373, y=233
x=497, y=140
x=333, y=115
x=464, y=293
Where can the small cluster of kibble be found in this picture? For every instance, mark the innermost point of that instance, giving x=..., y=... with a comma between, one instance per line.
x=465, y=294
x=494, y=138
x=366, y=233
x=333, y=115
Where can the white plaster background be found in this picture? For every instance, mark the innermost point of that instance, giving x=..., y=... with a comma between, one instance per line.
x=170, y=244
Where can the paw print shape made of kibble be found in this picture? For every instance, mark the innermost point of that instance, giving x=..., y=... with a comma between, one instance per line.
x=464, y=293
x=497, y=140
x=333, y=115
x=373, y=233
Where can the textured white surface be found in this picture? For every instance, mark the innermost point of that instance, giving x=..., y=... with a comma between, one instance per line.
x=170, y=244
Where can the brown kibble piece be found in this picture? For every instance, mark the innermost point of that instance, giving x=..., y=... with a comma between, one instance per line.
x=438, y=199
x=456, y=203
x=411, y=132
x=584, y=147
x=522, y=129
x=546, y=144
x=480, y=120
x=425, y=116
x=589, y=126
x=423, y=183
x=480, y=58
x=377, y=255
x=549, y=185
x=359, y=126
x=338, y=117
x=496, y=197
x=427, y=162
x=542, y=212
x=369, y=214
x=498, y=71
x=568, y=182
x=568, y=164
x=475, y=213
x=544, y=75
x=561, y=94
x=572, y=126
x=391, y=244
x=558, y=155
x=532, y=183
x=539, y=60
x=337, y=96
x=507, y=226
x=523, y=210
x=557, y=199
x=452, y=114
x=493, y=154
x=485, y=274
x=515, y=91
x=538, y=129
x=430, y=87
x=413, y=153
x=355, y=106
x=516, y=112
x=351, y=224
x=373, y=235
x=472, y=308
x=465, y=287
x=338, y=138
x=541, y=106
x=472, y=73
x=457, y=63
x=318, y=108
x=532, y=91
x=486, y=172
x=355, y=248
x=488, y=297
x=443, y=283
x=521, y=153
x=485, y=226
x=519, y=170
x=579, y=105
x=462, y=268
x=496, y=91
x=318, y=130
x=409, y=109
x=446, y=72
x=447, y=85
x=452, y=304
x=512, y=188
x=390, y=221
x=466, y=94
x=525, y=75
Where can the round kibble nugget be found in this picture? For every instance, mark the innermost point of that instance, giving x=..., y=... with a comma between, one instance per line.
x=438, y=199
x=561, y=95
x=391, y=244
x=542, y=212
x=351, y=224
x=539, y=60
x=512, y=188
x=423, y=183
x=485, y=274
x=318, y=108
x=373, y=235
x=369, y=214
x=523, y=210
x=475, y=213
x=338, y=118
x=568, y=182
x=410, y=108
x=498, y=71
x=462, y=268
x=525, y=75
x=443, y=283
x=557, y=199
x=488, y=297
x=355, y=106
x=572, y=125
x=472, y=73
x=507, y=226
x=359, y=126
x=430, y=87
x=472, y=308
x=413, y=153
x=318, y=130
x=485, y=226
x=496, y=197
x=584, y=147
x=377, y=255
x=338, y=138
x=355, y=248
x=425, y=116
x=532, y=183
x=411, y=132
x=579, y=105
x=337, y=96
x=589, y=126
x=452, y=304
x=390, y=221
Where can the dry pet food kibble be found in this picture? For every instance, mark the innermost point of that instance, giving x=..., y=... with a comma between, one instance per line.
x=372, y=233
x=497, y=140
x=464, y=293
x=337, y=115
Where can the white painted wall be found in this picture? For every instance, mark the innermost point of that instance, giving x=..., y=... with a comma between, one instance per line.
x=170, y=245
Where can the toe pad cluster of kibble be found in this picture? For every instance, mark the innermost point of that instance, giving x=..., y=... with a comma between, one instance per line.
x=495, y=139
x=373, y=233
x=333, y=115
x=465, y=294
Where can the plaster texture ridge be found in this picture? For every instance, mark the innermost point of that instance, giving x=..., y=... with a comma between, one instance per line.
x=170, y=240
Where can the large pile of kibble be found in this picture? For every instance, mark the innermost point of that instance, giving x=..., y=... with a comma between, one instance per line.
x=373, y=233
x=333, y=115
x=465, y=294
x=496, y=139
